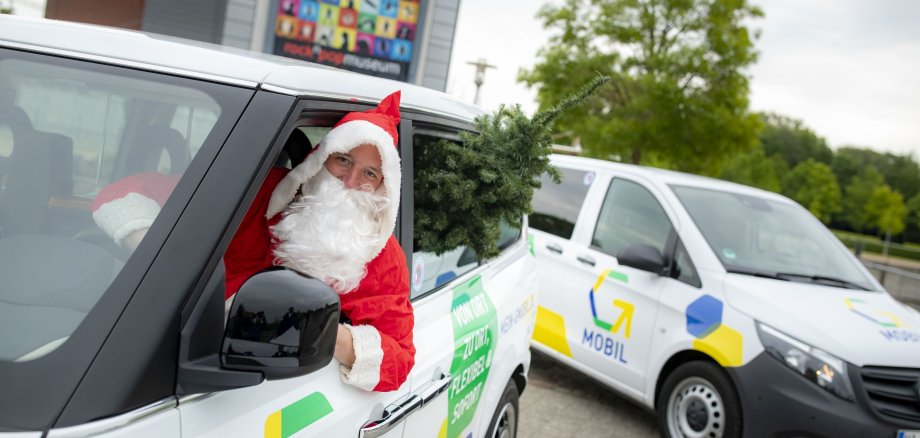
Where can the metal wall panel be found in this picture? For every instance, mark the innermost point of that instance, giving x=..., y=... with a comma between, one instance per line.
x=201, y=20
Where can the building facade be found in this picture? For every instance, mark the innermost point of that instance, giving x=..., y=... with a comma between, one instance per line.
x=406, y=40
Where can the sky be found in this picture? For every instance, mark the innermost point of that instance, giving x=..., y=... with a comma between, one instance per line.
x=848, y=69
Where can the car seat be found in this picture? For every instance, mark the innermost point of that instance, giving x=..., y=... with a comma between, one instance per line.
x=39, y=166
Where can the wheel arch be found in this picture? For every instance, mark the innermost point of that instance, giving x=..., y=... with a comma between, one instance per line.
x=676, y=360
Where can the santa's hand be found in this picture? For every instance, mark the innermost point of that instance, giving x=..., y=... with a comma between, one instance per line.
x=344, y=347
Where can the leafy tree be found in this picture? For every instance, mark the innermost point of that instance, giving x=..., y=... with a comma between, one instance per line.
x=886, y=210
x=792, y=141
x=813, y=185
x=901, y=172
x=678, y=94
x=754, y=169
x=856, y=195
x=913, y=211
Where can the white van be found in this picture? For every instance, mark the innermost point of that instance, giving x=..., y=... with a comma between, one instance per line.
x=729, y=310
x=95, y=340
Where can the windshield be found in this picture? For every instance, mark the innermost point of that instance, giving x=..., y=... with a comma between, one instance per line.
x=67, y=131
x=759, y=236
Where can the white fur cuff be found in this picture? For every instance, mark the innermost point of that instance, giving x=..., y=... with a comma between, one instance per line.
x=123, y=216
x=365, y=373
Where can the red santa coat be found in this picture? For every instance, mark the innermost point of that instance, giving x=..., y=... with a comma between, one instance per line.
x=379, y=308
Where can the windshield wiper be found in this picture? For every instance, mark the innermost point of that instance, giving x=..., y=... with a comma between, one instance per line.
x=823, y=278
x=790, y=276
x=756, y=273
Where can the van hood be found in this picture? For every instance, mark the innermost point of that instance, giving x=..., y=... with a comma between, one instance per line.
x=860, y=327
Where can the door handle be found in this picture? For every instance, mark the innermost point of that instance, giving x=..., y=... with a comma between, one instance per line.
x=554, y=247
x=400, y=409
x=586, y=259
x=432, y=389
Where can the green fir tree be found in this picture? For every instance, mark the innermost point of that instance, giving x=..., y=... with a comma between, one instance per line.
x=488, y=178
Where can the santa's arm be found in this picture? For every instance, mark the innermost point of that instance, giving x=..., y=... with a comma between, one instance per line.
x=132, y=203
x=381, y=325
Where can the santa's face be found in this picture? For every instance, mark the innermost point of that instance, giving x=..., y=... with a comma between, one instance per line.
x=358, y=168
x=330, y=231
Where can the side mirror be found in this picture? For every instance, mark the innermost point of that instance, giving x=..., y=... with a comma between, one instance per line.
x=642, y=257
x=282, y=324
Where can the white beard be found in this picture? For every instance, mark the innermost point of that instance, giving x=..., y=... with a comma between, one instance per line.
x=331, y=232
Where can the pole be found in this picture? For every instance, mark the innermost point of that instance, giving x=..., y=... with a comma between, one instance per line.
x=481, y=66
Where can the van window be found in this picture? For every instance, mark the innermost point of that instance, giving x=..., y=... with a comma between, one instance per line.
x=430, y=270
x=630, y=215
x=683, y=269
x=67, y=130
x=556, y=206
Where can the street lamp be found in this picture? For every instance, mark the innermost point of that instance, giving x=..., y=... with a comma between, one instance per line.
x=481, y=67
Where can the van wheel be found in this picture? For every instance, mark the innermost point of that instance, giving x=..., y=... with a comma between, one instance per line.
x=699, y=400
x=504, y=421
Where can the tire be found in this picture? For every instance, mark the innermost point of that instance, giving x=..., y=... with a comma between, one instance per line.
x=699, y=400
x=505, y=419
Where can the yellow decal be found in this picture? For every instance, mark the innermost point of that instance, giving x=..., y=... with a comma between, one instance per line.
x=628, y=310
x=550, y=331
x=273, y=425
x=723, y=344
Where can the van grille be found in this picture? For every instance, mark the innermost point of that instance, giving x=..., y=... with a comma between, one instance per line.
x=893, y=392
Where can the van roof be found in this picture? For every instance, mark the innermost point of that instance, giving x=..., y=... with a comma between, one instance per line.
x=217, y=63
x=665, y=177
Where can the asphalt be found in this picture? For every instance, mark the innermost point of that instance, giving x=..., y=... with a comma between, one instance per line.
x=560, y=403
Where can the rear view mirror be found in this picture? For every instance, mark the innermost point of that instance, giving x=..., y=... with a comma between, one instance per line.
x=642, y=257
x=282, y=324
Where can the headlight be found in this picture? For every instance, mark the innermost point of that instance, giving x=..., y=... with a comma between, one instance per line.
x=820, y=367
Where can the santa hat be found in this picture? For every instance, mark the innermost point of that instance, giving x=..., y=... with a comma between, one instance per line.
x=376, y=127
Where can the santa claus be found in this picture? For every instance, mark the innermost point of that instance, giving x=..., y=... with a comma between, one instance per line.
x=332, y=217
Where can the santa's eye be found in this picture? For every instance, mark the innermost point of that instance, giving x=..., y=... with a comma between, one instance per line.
x=342, y=159
x=370, y=174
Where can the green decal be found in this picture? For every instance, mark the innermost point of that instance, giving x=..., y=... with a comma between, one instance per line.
x=530, y=244
x=296, y=416
x=475, y=328
x=618, y=276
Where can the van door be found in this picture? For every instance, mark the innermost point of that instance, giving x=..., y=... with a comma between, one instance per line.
x=608, y=309
x=316, y=404
x=455, y=323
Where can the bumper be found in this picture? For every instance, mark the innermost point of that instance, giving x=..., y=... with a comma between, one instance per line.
x=778, y=402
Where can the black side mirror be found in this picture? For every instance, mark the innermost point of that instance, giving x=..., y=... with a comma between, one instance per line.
x=282, y=324
x=643, y=257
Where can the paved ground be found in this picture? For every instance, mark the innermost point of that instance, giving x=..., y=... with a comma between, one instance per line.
x=559, y=402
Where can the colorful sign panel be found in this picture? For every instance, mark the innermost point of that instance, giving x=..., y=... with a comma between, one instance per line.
x=374, y=37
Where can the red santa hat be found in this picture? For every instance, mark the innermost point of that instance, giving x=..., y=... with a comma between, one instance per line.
x=376, y=127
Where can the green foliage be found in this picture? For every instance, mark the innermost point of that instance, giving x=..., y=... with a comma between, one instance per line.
x=856, y=195
x=901, y=172
x=486, y=179
x=913, y=211
x=813, y=185
x=885, y=210
x=753, y=168
x=678, y=91
x=791, y=140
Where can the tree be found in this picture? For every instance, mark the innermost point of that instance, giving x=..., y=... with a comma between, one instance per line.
x=792, y=141
x=857, y=194
x=678, y=94
x=886, y=210
x=901, y=172
x=753, y=168
x=813, y=185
